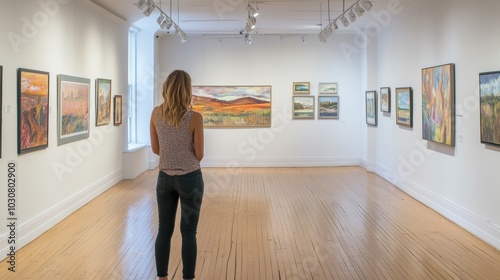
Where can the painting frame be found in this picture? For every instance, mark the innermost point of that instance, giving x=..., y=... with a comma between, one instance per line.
x=328, y=88
x=371, y=107
x=232, y=106
x=489, y=103
x=1, y=107
x=33, y=89
x=404, y=106
x=73, y=109
x=301, y=87
x=103, y=94
x=324, y=110
x=385, y=99
x=438, y=104
x=303, y=107
x=117, y=110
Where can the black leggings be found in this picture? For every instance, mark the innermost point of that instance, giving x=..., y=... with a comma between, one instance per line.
x=189, y=188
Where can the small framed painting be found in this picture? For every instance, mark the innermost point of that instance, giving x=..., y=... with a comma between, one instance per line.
x=371, y=107
x=489, y=99
x=385, y=99
x=73, y=120
x=328, y=88
x=32, y=110
x=301, y=87
x=328, y=107
x=117, y=110
x=103, y=101
x=303, y=107
x=404, y=106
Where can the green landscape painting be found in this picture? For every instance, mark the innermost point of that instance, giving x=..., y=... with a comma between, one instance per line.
x=489, y=91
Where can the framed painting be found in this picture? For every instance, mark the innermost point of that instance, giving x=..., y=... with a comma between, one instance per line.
x=385, y=99
x=303, y=107
x=404, y=106
x=328, y=88
x=328, y=107
x=32, y=110
x=438, y=104
x=301, y=87
x=103, y=101
x=371, y=107
x=117, y=110
x=73, y=120
x=489, y=99
x=1, y=108
x=233, y=106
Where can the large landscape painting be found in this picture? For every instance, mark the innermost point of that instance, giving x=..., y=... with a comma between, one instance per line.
x=489, y=91
x=233, y=106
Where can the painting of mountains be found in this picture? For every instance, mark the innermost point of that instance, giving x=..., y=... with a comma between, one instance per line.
x=489, y=91
x=233, y=106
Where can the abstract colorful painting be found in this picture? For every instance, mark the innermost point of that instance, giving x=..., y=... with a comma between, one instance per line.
x=371, y=107
x=103, y=101
x=233, y=106
x=438, y=104
x=73, y=109
x=489, y=96
x=33, y=110
x=303, y=107
x=328, y=107
x=404, y=106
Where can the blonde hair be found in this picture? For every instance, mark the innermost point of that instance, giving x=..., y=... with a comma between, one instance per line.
x=177, y=95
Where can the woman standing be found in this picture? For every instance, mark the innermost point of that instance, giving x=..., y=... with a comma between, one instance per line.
x=177, y=137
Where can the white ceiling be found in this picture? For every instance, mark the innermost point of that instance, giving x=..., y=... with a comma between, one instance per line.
x=229, y=16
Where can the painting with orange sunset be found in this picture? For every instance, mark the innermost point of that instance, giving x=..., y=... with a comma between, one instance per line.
x=233, y=106
x=33, y=110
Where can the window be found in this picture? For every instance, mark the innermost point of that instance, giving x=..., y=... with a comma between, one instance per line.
x=132, y=87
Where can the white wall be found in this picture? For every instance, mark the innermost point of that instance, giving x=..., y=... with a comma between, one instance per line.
x=69, y=37
x=276, y=61
x=460, y=182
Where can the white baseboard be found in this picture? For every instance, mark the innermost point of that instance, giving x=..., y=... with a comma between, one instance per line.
x=473, y=223
x=279, y=162
x=33, y=228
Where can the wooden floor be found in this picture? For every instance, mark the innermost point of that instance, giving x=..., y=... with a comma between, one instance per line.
x=265, y=223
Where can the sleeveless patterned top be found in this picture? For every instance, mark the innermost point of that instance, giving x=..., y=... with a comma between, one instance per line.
x=176, y=146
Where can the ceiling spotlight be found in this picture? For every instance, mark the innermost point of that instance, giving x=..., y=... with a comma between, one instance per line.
x=149, y=9
x=248, y=40
x=183, y=37
x=161, y=19
x=367, y=5
x=251, y=22
x=345, y=22
x=251, y=11
x=359, y=10
x=334, y=25
x=248, y=28
x=140, y=4
x=167, y=24
x=321, y=37
x=351, y=15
